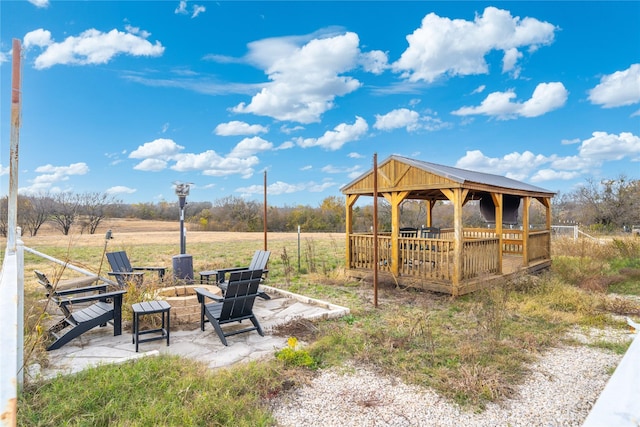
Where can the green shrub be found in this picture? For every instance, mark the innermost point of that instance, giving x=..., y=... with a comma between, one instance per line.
x=293, y=356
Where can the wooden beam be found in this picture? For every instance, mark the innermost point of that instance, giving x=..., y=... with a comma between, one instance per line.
x=401, y=175
x=448, y=193
x=384, y=176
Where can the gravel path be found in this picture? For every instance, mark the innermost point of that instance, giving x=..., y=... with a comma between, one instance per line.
x=560, y=390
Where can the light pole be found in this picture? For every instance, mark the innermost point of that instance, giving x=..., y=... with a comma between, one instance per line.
x=182, y=264
x=182, y=191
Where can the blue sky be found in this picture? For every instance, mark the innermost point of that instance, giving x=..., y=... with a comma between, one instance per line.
x=127, y=97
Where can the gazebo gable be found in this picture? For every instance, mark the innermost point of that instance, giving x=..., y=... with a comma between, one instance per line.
x=397, y=175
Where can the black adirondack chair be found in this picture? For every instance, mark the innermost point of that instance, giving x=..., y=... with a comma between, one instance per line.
x=122, y=270
x=430, y=232
x=258, y=262
x=95, y=307
x=235, y=306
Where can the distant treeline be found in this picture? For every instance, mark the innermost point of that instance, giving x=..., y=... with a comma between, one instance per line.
x=608, y=205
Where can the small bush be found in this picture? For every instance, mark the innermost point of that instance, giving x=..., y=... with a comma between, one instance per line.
x=293, y=356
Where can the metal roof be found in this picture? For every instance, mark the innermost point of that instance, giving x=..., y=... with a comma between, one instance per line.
x=463, y=176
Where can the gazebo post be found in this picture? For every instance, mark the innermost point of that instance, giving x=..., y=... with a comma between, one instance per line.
x=351, y=199
x=497, y=201
x=546, y=202
x=395, y=199
x=395, y=227
x=525, y=230
x=457, y=196
x=429, y=208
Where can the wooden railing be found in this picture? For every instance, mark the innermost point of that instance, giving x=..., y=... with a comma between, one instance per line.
x=361, y=251
x=433, y=258
x=430, y=258
x=480, y=256
x=539, y=245
x=511, y=239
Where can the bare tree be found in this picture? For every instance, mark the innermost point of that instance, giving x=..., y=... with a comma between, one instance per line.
x=94, y=208
x=34, y=211
x=609, y=204
x=65, y=211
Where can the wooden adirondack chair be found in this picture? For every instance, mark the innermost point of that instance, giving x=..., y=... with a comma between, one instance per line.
x=106, y=308
x=235, y=306
x=122, y=270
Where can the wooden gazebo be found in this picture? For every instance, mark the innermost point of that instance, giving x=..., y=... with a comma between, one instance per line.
x=454, y=260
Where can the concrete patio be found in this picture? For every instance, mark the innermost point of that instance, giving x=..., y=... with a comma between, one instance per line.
x=99, y=346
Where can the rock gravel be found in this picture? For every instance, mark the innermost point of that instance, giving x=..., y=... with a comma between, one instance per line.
x=559, y=390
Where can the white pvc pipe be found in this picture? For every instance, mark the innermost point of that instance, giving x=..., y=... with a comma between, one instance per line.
x=70, y=266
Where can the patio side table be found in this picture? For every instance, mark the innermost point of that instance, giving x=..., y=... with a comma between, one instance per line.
x=150, y=307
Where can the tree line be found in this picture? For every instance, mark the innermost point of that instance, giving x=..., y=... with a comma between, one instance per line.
x=608, y=205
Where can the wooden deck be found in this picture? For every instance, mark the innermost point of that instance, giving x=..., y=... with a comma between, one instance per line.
x=512, y=268
x=430, y=264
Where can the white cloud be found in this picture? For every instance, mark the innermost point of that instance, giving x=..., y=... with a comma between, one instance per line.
x=546, y=97
x=250, y=146
x=164, y=153
x=236, y=127
x=39, y=37
x=287, y=130
x=4, y=170
x=151, y=165
x=335, y=139
x=400, y=118
x=354, y=155
x=285, y=145
x=513, y=165
x=305, y=78
x=182, y=8
x=442, y=46
x=618, y=89
x=136, y=30
x=375, y=61
x=336, y=169
x=160, y=148
x=90, y=47
x=550, y=174
x=603, y=146
x=212, y=164
x=281, y=187
x=591, y=154
x=52, y=175
x=195, y=10
x=319, y=188
x=40, y=3
x=120, y=189
x=511, y=57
